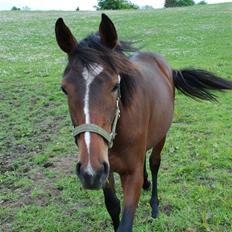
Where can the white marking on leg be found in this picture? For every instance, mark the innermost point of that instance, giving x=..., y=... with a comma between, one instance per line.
x=89, y=75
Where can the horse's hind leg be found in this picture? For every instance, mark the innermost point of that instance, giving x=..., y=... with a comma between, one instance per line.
x=111, y=201
x=154, y=166
x=146, y=182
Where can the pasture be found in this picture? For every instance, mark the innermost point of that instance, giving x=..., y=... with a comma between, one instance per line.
x=39, y=190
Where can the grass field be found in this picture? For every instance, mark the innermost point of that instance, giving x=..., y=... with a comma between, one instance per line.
x=38, y=187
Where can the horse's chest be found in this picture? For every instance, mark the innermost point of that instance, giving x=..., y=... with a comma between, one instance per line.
x=119, y=164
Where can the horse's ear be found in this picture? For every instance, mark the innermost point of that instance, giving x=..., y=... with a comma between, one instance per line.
x=64, y=37
x=108, y=32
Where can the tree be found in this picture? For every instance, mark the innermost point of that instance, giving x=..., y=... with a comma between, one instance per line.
x=14, y=8
x=202, y=3
x=178, y=3
x=185, y=2
x=115, y=5
x=170, y=3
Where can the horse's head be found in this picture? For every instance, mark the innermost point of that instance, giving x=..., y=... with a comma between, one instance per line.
x=92, y=88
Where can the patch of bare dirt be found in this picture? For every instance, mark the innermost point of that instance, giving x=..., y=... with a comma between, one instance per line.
x=12, y=152
x=167, y=209
x=2, y=96
x=47, y=190
x=65, y=164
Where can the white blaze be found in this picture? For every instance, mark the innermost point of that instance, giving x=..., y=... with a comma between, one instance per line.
x=89, y=75
x=119, y=79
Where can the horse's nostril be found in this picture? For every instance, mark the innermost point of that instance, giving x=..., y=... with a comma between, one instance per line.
x=105, y=167
x=78, y=168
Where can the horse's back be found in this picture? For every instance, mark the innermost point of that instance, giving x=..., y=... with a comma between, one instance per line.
x=154, y=68
x=156, y=79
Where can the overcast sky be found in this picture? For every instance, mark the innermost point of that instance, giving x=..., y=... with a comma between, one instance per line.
x=72, y=4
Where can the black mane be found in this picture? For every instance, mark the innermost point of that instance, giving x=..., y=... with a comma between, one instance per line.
x=90, y=50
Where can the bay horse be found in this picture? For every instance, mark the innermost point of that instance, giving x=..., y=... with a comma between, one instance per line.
x=120, y=107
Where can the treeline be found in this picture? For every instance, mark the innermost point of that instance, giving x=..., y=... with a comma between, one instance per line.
x=180, y=3
x=126, y=4
x=25, y=8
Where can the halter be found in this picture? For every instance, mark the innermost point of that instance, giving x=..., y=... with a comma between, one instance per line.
x=90, y=127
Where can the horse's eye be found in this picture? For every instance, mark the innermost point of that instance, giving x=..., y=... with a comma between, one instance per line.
x=63, y=90
x=116, y=87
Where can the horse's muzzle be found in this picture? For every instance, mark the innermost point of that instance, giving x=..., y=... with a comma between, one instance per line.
x=92, y=179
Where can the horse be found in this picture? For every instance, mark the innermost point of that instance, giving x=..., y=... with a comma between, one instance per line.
x=120, y=107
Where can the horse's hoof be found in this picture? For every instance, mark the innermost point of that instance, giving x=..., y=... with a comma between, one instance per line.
x=146, y=185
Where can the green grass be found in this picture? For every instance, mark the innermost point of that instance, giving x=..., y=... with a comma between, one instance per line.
x=38, y=187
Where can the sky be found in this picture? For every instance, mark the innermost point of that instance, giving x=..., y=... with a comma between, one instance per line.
x=73, y=4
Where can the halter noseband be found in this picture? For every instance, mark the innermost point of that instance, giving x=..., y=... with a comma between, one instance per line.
x=109, y=137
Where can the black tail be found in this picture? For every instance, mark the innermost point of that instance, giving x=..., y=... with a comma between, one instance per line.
x=197, y=83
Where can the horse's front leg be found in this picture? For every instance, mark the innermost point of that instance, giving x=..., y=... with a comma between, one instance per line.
x=132, y=184
x=111, y=201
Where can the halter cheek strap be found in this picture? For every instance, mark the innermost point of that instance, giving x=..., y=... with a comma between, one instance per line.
x=109, y=137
